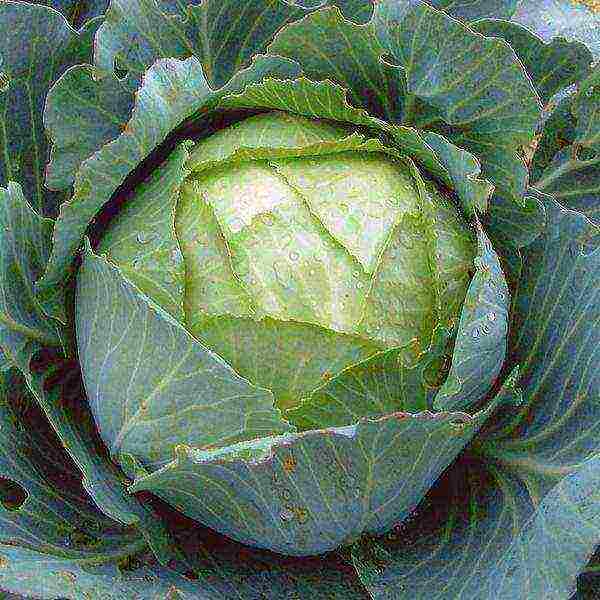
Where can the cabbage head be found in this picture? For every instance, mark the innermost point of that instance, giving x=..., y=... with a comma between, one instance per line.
x=300, y=300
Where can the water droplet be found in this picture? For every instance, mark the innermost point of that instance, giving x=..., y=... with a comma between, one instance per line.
x=485, y=329
x=175, y=255
x=4, y=82
x=136, y=264
x=268, y=220
x=312, y=273
x=356, y=274
x=286, y=515
x=475, y=333
x=492, y=316
x=294, y=256
x=359, y=285
x=142, y=237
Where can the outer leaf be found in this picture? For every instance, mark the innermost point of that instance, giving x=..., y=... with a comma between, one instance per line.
x=510, y=224
x=555, y=339
x=83, y=112
x=470, y=10
x=24, y=330
x=151, y=385
x=490, y=543
x=308, y=493
x=36, y=46
x=573, y=176
x=172, y=91
x=24, y=250
x=223, y=34
x=329, y=46
x=228, y=573
x=480, y=345
x=536, y=531
x=57, y=545
x=79, y=11
x=45, y=512
x=552, y=66
x=444, y=63
x=571, y=20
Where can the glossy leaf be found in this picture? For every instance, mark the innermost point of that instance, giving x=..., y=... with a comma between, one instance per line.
x=387, y=382
x=491, y=540
x=491, y=120
x=552, y=67
x=453, y=166
x=173, y=90
x=24, y=250
x=150, y=384
x=308, y=493
x=480, y=345
x=142, y=240
x=573, y=176
x=556, y=427
x=36, y=46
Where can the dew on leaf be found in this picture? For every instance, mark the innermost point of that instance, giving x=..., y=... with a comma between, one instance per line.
x=492, y=316
x=286, y=515
x=475, y=333
x=4, y=81
x=294, y=256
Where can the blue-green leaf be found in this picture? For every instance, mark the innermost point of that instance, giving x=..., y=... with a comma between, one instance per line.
x=83, y=112
x=480, y=345
x=470, y=10
x=224, y=35
x=444, y=63
x=514, y=225
x=25, y=330
x=44, y=511
x=172, y=91
x=308, y=493
x=78, y=11
x=573, y=176
x=555, y=338
x=552, y=66
x=482, y=536
x=571, y=20
x=150, y=384
x=36, y=46
x=328, y=46
x=25, y=239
